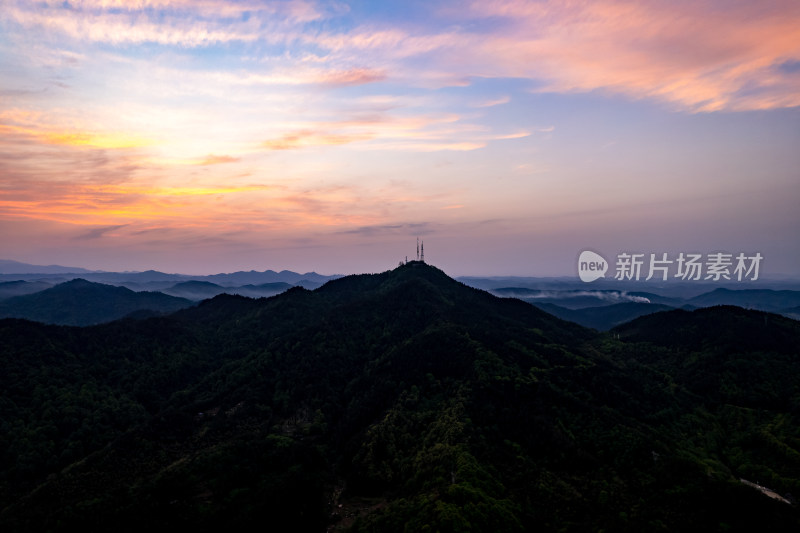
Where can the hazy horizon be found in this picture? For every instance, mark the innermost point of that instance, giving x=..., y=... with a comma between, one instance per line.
x=570, y=276
x=216, y=136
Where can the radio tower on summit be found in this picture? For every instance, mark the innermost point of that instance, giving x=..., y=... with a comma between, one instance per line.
x=420, y=250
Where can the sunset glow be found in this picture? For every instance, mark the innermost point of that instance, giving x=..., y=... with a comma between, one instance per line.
x=204, y=136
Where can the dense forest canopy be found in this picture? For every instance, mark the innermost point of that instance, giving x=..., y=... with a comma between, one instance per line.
x=400, y=401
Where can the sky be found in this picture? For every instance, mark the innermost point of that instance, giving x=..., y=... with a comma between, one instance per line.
x=203, y=136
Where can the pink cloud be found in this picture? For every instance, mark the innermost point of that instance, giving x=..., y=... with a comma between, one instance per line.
x=423, y=133
x=701, y=56
x=308, y=138
x=212, y=159
x=356, y=76
x=698, y=55
x=493, y=102
x=302, y=75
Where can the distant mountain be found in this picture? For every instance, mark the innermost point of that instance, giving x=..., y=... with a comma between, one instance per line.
x=80, y=303
x=763, y=299
x=604, y=317
x=142, y=278
x=20, y=288
x=586, y=307
x=400, y=401
x=311, y=285
x=268, y=276
x=155, y=280
x=653, y=298
x=792, y=312
x=262, y=290
x=15, y=267
x=673, y=288
x=194, y=290
x=278, y=286
x=201, y=290
x=575, y=299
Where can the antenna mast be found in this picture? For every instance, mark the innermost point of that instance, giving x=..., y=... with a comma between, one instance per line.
x=417, y=248
x=422, y=252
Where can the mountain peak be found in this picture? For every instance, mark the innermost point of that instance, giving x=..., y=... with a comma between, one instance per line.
x=405, y=272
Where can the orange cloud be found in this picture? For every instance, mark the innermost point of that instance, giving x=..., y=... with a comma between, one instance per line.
x=95, y=140
x=132, y=190
x=89, y=204
x=30, y=124
x=310, y=138
x=411, y=146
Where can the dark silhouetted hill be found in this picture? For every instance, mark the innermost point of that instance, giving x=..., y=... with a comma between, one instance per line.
x=194, y=290
x=400, y=401
x=9, y=289
x=80, y=303
x=762, y=299
x=604, y=317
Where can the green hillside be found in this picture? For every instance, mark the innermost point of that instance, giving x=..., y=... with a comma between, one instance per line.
x=401, y=401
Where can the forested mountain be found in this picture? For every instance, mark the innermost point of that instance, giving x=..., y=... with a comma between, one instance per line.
x=401, y=401
x=81, y=303
x=764, y=299
x=605, y=317
x=604, y=309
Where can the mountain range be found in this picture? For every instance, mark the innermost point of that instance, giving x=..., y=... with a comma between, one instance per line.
x=604, y=309
x=79, y=297
x=400, y=401
x=15, y=267
x=151, y=279
x=80, y=302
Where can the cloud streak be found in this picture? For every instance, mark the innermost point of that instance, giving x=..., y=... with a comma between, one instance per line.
x=425, y=133
x=198, y=23
x=98, y=233
x=700, y=56
x=118, y=29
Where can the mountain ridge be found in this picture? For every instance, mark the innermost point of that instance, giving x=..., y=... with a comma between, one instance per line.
x=79, y=302
x=437, y=403
x=8, y=266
